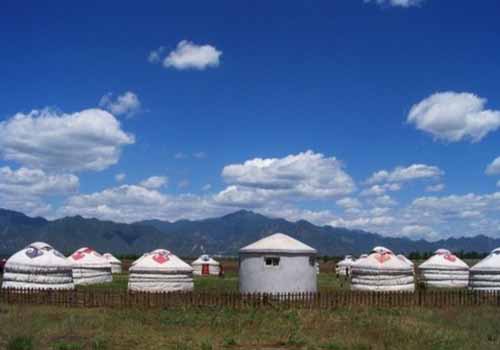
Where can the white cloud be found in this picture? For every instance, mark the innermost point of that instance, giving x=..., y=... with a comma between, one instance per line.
x=349, y=203
x=452, y=117
x=435, y=188
x=188, y=55
x=419, y=231
x=377, y=190
x=206, y=187
x=494, y=167
x=199, y=155
x=406, y=174
x=154, y=182
x=155, y=55
x=120, y=177
x=396, y=3
x=127, y=104
x=303, y=175
x=183, y=183
x=88, y=140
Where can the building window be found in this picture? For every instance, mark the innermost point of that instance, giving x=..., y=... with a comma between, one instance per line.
x=312, y=261
x=272, y=261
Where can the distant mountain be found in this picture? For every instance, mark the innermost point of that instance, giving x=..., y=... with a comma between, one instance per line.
x=223, y=236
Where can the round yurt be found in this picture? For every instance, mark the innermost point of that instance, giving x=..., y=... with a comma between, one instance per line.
x=160, y=271
x=406, y=260
x=444, y=270
x=485, y=275
x=205, y=265
x=90, y=267
x=343, y=267
x=38, y=266
x=277, y=264
x=116, y=265
x=381, y=271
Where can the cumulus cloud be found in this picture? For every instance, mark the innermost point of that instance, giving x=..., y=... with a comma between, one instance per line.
x=494, y=167
x=378, y=190
x=127, y=104
x=303, y=175
x=88, y=140
x=155, y=55
x=452, y=117
x=349, y=203
x=189, y=55
x=154, y=182
x=396, y=3
x=406, y=174
x=435, y=188
x=120, y=177
x=419, y=232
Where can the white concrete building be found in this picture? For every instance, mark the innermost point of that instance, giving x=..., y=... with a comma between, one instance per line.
x=444, y=270
x=485, y=275
x=90, y=267
x=205, y=265
x=381, y=271
x=116, y=265
x=38, y=266
x=277, y=264
x=160, y=271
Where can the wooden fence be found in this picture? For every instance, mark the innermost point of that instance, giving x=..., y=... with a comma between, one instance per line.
x=328, y=300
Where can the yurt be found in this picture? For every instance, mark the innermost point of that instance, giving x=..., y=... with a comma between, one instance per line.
x=485, y=275
x=116, y=265
x=343, y=267
x=406, y=260
x=160, y=271
x=205, y=265
x=277, y=264
x=382, y=271
x=38, y=266
x=444, y=270
x=90, y=267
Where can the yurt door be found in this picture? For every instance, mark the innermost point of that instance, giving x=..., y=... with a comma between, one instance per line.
x=204, y=269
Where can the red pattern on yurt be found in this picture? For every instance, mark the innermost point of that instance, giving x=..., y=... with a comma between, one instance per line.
x=450, y=257
x=161, y=258
x=383, y=257
x=78, y=256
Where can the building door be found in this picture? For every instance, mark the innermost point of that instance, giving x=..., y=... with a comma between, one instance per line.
x=204, y=269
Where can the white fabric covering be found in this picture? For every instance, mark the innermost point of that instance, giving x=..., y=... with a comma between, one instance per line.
x=116, y=265
x=343, y=267
x=405, y=259
x=485, y=275
x=444, y=270
x=206, y=266
x=382, y=271
x=38, y=266
x=278, y=243
x=90, y=267
x=160, y=271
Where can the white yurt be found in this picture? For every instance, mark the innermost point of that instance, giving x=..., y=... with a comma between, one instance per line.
x=205, y=265
x=343, y=267
x=382, y=271
x=38, y=266
x=485, y=275
x=90, y=267
x=160, y=271
x=116, y=265
x=406, y=260
x=444, y=270
x=277, y=264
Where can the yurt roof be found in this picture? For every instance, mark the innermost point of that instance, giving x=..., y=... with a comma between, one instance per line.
x=381, y=261
x=111, y=258
x=278, y=243
x=380, y=249
x=40, y=255
x=88, y=256
x=348, y=260
x=443, y=259
x=490, y=263
x=160, y=260
x=205, y=259
x=405, y=259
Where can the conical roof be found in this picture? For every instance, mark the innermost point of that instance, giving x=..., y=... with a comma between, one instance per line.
x=381, y=260
x=278, y=243
x=111, y=258
x=380, y=249
x=405, y=259
x=205, y=259
x=38, y=255
x=160, y=260
x=490, y=263
x=443, y=259
x=88, y=257
x=347, y=261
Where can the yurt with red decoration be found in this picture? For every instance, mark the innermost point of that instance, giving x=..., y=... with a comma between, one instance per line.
x=485, y=275
x=343, y=267
x=38, y=266
x=116, y=265
x=160, y=271
x=444, y=270
x=205, y=265
x=382, y=271
x=90, y=267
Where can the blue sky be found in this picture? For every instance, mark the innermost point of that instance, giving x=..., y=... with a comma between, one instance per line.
x=285, y=108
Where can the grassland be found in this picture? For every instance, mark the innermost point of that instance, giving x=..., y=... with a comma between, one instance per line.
x=56, y=328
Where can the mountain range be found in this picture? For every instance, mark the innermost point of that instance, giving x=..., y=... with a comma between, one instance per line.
x=216, y=236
